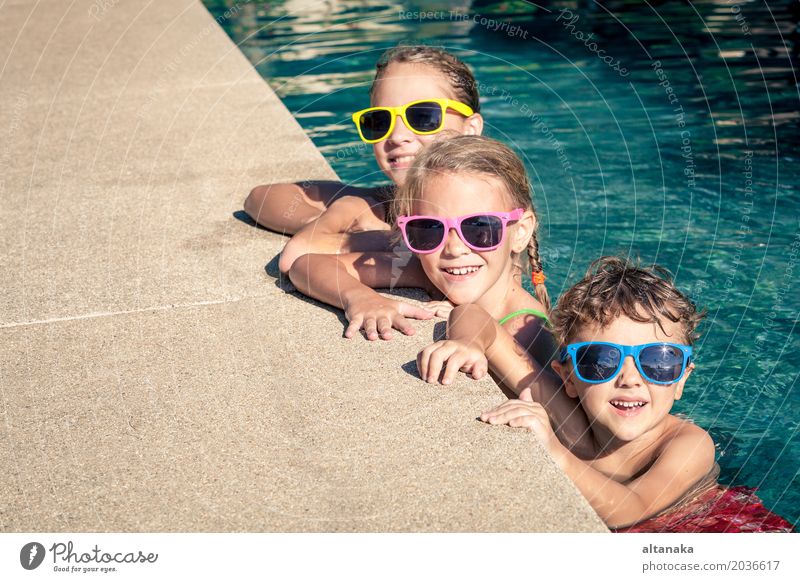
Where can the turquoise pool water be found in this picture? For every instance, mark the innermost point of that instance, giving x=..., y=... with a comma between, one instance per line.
x=681, y=147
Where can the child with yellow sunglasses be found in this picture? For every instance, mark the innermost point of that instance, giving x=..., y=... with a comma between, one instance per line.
x=422, y=117
x=419, y=94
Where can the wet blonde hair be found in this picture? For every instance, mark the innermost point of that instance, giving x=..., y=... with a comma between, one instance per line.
x=482, y=156
x=460, y=78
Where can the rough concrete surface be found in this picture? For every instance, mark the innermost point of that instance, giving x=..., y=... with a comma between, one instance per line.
x=154, y=374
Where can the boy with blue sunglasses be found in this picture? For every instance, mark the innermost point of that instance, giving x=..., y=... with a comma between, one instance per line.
x=627, y=335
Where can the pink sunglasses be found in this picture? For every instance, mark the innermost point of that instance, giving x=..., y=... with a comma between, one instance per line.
x=481, y=232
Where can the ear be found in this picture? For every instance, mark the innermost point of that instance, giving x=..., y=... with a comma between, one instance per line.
x=473, y=125
x=686, y=374
x=564, y=371
x=523, y=231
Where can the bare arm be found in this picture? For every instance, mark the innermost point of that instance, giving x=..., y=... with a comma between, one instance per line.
x=518, y=370
x=351, y=224
x=685, y=459
x=346, y=281
x=286, y=208
x=314, y=274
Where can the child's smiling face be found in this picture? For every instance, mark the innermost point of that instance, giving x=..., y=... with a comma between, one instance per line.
x=404, y=83
x=626, y=407
x=464, y=275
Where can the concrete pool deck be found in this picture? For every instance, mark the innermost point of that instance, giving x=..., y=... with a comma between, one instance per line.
x=155, y=374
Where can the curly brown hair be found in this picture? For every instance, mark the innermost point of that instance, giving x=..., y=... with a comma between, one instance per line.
x=465, y=88
x=615, y=286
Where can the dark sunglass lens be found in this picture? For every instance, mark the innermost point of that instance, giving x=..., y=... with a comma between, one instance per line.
x=426, y=116
x=424, y=234
x=483, y=232
x=661, y=363
x=597, y=362
x=375, y=124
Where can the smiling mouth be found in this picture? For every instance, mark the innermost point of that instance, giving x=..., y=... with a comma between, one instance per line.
x=461, y=271
x=401, y=160
x=628, y=407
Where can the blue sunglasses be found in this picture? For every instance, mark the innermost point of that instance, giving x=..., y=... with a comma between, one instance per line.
x=597, y=362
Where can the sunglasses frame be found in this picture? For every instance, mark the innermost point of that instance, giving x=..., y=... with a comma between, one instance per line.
x=400, y=110
x=455, y=223
x=634, y=351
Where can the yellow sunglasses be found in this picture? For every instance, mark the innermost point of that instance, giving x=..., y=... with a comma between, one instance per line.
x=422, y=117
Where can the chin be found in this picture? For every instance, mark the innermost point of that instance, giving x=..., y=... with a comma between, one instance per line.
x=627, y=436
x=397, y=176
x=629, y=433
x=459, y=296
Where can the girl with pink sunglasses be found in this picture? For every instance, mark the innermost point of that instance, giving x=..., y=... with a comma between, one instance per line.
x=465, y=213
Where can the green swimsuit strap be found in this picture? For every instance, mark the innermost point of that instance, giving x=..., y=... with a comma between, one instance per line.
x=535, y=312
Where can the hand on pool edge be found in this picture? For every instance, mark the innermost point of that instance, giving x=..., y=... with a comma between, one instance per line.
x=521, y=414
x=378, y=316
x=458, y=355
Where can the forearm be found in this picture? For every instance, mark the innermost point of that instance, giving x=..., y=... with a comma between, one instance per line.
x=339, y=243
x=472, y=325
x=382, y=270
x=326, y=279
x=350, y=225
x=288, y=207
x=309, y=242
x=615, y=503
x=518, y=370
x=507, y=359
x=285, y=208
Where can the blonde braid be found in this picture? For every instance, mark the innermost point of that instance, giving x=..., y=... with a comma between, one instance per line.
x=537, y=272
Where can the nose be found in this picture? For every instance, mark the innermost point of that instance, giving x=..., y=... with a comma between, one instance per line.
x=400, y=133
x=629, y=375
x=454, y=246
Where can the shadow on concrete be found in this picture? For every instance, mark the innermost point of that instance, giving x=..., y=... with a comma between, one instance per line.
x=273, y=271
x=283, y=283
x=242, y=216
x=411, y=369
x=440, y=331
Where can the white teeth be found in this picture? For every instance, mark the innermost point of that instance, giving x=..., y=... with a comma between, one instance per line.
x=462, y=270
x=402, y=159
x=626, y=404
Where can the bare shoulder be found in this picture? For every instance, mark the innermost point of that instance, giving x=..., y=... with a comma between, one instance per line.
x=531, y=330
x=684, y=455
x=526, y=327
x=528, y=310
x=687, y=430
x=360, y=212
x=345, y=214
x=685, y=440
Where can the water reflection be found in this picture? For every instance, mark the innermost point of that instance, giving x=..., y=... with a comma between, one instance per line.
x=686, y=158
